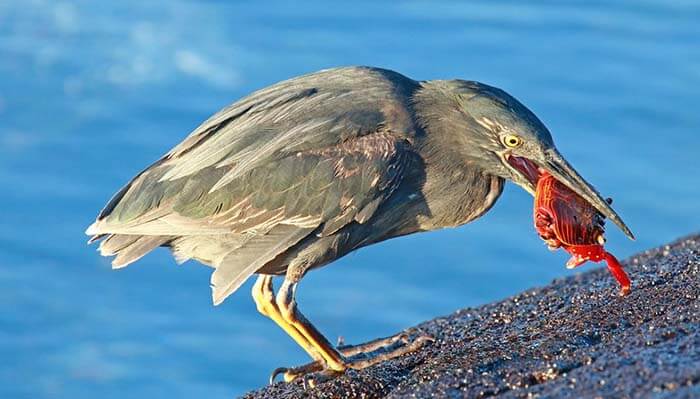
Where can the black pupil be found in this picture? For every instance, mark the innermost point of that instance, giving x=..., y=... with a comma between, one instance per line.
x=513, y=141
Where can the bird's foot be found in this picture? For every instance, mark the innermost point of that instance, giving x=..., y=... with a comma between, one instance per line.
x=357, y=357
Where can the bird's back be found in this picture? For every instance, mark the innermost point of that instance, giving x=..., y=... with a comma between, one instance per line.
x=302, y=158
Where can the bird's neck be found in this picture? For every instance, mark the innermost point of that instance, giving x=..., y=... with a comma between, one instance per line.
x=457, y=189
x=445, y=125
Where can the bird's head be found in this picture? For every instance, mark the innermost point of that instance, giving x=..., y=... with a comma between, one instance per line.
x=503, y=137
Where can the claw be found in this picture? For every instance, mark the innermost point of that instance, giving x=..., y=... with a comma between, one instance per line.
x=426, y=338
x=276, y=372
x=308, y=382
x=358, y=357
x=422, y=340
x=575, y=262
x=404, y=338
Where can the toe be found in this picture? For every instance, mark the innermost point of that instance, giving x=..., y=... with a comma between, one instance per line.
x=278, y=371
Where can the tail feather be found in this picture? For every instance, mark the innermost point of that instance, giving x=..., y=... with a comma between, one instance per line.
x=96, y=237
x=115, y=243
x=130, y=248
x=235, y=257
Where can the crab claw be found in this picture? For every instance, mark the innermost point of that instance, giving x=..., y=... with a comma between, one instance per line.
x=575, y=261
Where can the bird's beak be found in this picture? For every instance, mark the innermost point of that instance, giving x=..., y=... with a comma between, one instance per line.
x=557, y=166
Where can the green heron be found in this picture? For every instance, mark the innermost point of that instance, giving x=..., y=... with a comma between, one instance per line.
x=299, y=174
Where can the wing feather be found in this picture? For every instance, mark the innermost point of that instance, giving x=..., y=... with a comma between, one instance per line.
x=273, y=168
x=237, y=266
x=331, y=186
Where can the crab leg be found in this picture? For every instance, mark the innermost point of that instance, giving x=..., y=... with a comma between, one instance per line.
x=619, y=273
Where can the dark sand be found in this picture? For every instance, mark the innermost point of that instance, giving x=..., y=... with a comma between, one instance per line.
x=575, y=338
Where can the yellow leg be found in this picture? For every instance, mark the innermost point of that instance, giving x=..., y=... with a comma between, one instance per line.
x=287, y=305
x=264, y=298
x=282, y=309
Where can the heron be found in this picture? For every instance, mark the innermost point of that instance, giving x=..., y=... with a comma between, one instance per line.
x=303, y=172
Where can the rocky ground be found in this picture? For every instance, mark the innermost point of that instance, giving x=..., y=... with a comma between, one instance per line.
x=575, y=338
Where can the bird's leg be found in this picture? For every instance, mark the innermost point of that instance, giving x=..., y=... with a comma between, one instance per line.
x=264, y=297
x=359, y=356
x=348, y=351
x=368, y=358
x=287, y=305
x=335, y=360
x=371, y=346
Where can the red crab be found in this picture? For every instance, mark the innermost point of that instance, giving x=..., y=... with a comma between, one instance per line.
x=565, y=220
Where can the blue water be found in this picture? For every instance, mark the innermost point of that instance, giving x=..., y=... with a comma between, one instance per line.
x=91, y=92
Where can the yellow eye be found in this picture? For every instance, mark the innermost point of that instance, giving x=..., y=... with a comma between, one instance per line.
x=512, y=141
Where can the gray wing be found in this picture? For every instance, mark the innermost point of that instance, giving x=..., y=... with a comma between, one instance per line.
x=310, y=112
x=310, y=155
